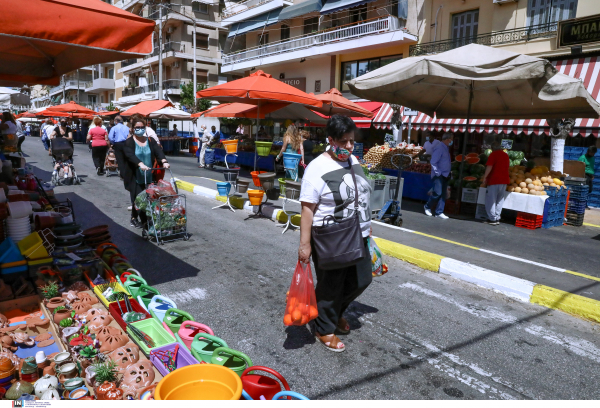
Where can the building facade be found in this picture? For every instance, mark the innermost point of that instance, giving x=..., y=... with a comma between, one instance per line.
x=137, y=80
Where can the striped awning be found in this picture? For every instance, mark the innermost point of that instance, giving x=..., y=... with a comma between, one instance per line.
x=585, y=69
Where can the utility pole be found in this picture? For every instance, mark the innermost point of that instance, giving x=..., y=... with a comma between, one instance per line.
x=160, y=65
x=77, y=85
x=64, y=85
x=195, y=85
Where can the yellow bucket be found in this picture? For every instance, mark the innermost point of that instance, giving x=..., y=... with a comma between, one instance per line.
x=255, y=196
x=230, y=145
x=200, y=382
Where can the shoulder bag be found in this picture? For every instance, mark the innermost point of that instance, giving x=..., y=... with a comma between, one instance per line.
x=339, y=244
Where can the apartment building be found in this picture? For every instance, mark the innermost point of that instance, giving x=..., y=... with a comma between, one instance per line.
x=316, y=45
x=137, y=80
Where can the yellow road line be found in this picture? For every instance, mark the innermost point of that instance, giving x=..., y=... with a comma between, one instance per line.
x=445, y=240
x=587, y=224
x=583, y=275
x=567, y=302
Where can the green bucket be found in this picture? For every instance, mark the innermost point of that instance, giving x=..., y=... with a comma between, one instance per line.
x=263, y=148
x=282, y=182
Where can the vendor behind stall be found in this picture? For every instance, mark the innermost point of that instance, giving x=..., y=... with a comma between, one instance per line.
x=588, y=159
x=496, y=178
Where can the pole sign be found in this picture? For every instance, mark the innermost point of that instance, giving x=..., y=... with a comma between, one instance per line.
x=579, y=31
x=410, y=112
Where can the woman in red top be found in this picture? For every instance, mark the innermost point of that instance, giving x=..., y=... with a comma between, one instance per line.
x=496, y=178
x=99, y=139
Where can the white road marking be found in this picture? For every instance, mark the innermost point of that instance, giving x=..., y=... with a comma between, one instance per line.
x=187, y=296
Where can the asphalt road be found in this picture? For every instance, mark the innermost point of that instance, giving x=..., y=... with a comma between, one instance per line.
x=415, y=334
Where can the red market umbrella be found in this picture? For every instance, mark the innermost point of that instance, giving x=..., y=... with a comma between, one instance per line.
x=71, y=107
x=40, y=40
x=146, y=108
x=49, y=114
x=334, y=102
x=239, y=110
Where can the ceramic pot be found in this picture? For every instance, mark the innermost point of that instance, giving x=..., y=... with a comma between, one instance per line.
x=61, y=314
x=44, y=383
x=51, y=394
x=73, y=383
x=19, y=388
x=137, y=375
x=40, y=357
x=79, y=393
x=63, y=358
x=90, y=375
x=68, y=370
x=49, y=370
x=108, y=391
x=55, y=302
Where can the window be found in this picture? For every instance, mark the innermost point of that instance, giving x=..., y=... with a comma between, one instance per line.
x=358, y=14
x=111, y=97
x=263, y=39
x=311, y=25
x=202, y=41
x=353, y=69
x=285, y=32
x=101, y=98
x=201, y=76
x=199, y=7
x=550, y=11
x=464, y=25
x=111, y=73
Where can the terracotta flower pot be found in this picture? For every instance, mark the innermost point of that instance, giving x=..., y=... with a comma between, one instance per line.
x=61, y=314
x=55, y=302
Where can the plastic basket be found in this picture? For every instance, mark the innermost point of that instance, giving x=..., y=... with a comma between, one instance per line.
x=263, y=148
x=255, y=178
x=575, y=220
x=231, y=146
x=255, y=196
x=182, y=359
x=529, y=221
x=32, y=247
x=223, y=188
x=155, y=330
x=577, y=206
x=117, y=287
x=114, y=310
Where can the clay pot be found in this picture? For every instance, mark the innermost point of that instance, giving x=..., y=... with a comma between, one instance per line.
x=23, y=338
x=99, y=322
x=87, y=298
x=80, y=307
x=93, y=313
x=108, y=391
x=43, y=222
x=61, y=314
x=55, y=302
x=49, y=370
x=137, y=375
x=125, y=356
x=112, y=342
x=106, y=330
x=70, y=296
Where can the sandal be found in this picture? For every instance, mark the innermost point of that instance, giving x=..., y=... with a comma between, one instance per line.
x=343, y=327
x=331, y=342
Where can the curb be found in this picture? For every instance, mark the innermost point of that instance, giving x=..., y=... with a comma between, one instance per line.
x=515, y=288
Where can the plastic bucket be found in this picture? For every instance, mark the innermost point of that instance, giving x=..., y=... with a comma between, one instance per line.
x=263, y=148
x=223, y=188
x=231, y=174
x=242, y=184
x=255, y=196
x=282, y=182
x=291, y=160
x=200, y=382
x=32, y=247
x=255, y=178
x=292, y=189
x=230, y=146
x=267, y=180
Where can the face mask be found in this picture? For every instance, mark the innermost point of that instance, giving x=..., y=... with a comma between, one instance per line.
x=340, y=153
x=139, y=132
x=450, y=144
x=427, y=138
x=63, y=124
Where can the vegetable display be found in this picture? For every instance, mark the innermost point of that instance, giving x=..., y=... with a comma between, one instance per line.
x=380, y=157
x=424, y=168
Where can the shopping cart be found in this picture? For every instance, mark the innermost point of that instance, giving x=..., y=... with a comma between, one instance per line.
x=167, y=216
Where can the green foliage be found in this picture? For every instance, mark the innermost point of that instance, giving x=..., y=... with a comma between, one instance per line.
x=68, y=322
x=106, y=371
x=58, y=308
x=110, y=107
x=187, y=98
x=88, y=352
x=50, y=290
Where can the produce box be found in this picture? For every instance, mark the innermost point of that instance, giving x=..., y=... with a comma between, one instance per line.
x=481, y=213
x=469, y=195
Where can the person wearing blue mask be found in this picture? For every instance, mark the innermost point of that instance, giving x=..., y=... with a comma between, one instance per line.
x=140, y=152
x=440, y=174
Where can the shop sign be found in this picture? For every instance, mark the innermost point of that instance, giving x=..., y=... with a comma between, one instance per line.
x=410, y=112
x=579, y=31
x=298, y=83
x=506, y=144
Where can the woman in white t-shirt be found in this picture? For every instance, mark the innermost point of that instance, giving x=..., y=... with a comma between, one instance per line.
x=328, y=190
x=9, y=132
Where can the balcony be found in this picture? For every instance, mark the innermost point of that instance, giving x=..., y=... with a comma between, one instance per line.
x=168, y=85
x=70, y=84
x=168, y=47
x=514, y=36
x=249, y=8
x=100, y=84
x=128, y=62
x=378, y=32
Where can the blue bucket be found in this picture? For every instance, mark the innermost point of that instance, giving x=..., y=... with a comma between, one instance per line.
x=223, y=188
x=291, y=160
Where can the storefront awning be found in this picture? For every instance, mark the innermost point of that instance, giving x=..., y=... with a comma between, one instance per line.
x=256, y=23
x=361, y=121
x=300, y=9
x=333, y=6
x=585, y=69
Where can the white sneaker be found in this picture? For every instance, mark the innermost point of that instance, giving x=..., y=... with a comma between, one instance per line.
x=427, y=212
x=442, y=216
x=129, y=208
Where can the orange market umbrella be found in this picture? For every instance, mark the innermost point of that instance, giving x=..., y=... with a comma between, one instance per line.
x=147, y=107
x=334, y=102
x=71, y=107
x=49, y=114
x=239, y=110
x=40, y=40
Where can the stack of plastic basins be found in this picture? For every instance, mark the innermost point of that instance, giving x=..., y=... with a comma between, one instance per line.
x=554, y=209
x=529, y=221
x=574, y=153
x=577, y=202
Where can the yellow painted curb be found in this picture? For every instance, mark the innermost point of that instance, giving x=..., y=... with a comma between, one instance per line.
x=422, y=259
x=575, y=305
x=184, y=185
x=587, y=224
x=221, y=198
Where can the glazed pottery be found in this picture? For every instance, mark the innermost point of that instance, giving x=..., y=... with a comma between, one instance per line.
x=73, y=383
x=19, y=388
x=79, y=393
x=44, y=383
x=68, y=332
x=40, y=357
x=61, y=314
x=23, y=338
x=68, y=370
x=6, y=364
x=50, y=394
x=62, y=358
x=109, y=391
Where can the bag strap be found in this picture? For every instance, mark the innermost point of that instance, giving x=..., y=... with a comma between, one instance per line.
x=355, y=186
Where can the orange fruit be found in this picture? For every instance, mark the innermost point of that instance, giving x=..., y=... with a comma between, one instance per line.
x=304, y=320
x=313, y=313
x=296, y=316
x=287, y=320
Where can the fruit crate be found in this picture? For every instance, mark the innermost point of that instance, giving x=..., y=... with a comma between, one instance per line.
x=577, y=206
x=553, y=223
x=555, y=191
x=581, y=196
x=529, y=221
x=575, y=220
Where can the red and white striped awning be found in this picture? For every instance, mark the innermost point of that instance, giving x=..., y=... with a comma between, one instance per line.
x=585, y=69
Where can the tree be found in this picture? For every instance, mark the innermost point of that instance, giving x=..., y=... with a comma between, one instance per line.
x=559, y=130
x=110, y=107
x=187, y=98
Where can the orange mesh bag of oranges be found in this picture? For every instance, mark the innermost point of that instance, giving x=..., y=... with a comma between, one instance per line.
x=301, y=305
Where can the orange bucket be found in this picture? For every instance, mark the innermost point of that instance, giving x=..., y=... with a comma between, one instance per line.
x=200, y=382
x=230, y=146
x=255, y=178
x=255, y=196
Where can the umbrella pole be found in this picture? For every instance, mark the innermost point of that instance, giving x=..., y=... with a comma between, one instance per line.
x=256, y=140
x=464, y=146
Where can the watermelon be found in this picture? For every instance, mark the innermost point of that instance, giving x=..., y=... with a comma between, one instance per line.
x=482, y=158
x=472, y=160
x=455, y=165
x=474, y=184
x=469, y=178
x=459, y=158
x=487, y=152
x=477, y=169
x=455, y=173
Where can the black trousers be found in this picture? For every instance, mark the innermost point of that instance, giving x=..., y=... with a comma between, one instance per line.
x=138, y=188
x=590, y=182
x=20, y=142
x=337, y=288
x=120, y=155
x=98, y=156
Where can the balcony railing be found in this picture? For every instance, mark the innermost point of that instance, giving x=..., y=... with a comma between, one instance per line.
x=242, y=6
x=497, y=38
x=138, y=90
x=351, y=31
x=130, y=61
x=167, y=47
x=172, y=84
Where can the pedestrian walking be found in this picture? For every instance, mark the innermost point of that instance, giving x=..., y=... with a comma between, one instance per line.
x=46, y=131
x=28, y=129
x=117, y=137
x=98, y=137
x=590, y=161
x=207, y=139
x=335, y=192
x=292, y=143
x=440, y=174
x=200, y=144
x=140, y=152
x=496, y=178
x=9, y=132
x=20, y=134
